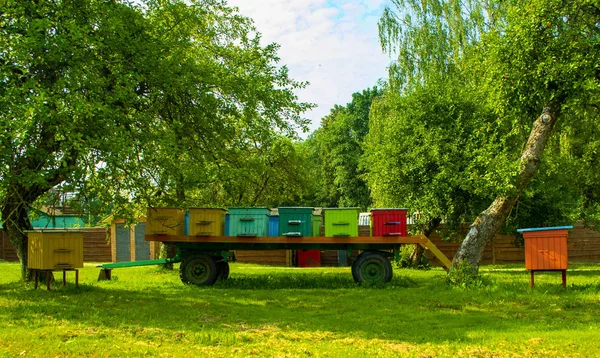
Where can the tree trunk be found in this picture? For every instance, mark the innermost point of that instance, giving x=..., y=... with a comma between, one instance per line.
x=169, y=250
x=16, y=222
x=489, y=222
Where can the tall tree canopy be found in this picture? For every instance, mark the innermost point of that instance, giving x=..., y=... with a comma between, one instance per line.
x=130, y=97
x=335, y=151
x=506, y=71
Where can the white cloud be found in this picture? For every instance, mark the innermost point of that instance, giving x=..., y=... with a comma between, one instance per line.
x=332, y=44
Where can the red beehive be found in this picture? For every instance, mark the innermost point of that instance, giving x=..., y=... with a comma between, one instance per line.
x=388, y=222
x=546, y=248
x=309, y=258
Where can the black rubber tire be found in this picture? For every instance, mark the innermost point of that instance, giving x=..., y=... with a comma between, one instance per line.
x=223, y=270
x=372, y=267
x=199, y=270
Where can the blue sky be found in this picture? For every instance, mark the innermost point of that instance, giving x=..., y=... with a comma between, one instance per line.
x=333, y=45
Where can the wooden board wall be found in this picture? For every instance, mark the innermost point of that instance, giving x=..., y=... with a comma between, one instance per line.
x=263, y=257
x=96, y=245
x=583, y=245
x=7, y=252
x=329, y=258
x=96, y=248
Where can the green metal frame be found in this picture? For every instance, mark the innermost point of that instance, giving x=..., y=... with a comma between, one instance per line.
x=222, y=244
x=224, y=249
x=175, y=259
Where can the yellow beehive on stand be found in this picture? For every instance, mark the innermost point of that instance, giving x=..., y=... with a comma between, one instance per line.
x=55, y=249
x=165, y=221
x=207, y=222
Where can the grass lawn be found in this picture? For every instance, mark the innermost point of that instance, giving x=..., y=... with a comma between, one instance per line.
x=268, y=311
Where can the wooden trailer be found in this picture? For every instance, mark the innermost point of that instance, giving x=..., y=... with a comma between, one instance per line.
x=205, y=259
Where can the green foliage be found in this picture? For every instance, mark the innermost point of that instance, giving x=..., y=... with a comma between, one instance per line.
x=336, y=149
x=271, y=311
x=467, y=82
x=272, y=174
x=137, y=104
x=408, y=258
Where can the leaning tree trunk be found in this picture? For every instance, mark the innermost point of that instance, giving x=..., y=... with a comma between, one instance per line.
x=489, y=222
x=16, y=222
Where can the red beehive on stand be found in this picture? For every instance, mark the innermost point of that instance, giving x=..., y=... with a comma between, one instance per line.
x=388, y=222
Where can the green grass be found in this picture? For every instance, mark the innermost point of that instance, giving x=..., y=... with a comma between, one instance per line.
x=266, y=311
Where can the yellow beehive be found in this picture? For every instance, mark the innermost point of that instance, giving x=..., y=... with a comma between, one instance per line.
x=207, y=222
x=56, y=249
x=165, y=221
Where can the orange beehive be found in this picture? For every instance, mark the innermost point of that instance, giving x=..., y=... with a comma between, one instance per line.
x=546, y=248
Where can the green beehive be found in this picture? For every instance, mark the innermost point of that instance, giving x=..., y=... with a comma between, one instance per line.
x=295, y=221
x=316, y=225
x=341, y=221
x=248, y=222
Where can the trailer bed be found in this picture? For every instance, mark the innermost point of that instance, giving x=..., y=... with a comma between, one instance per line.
x=222, y=243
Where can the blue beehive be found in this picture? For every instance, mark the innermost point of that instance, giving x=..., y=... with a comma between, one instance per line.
x=274, y=225
x=227, y=225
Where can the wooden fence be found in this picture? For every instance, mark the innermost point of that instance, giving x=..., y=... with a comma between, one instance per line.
x=7, y=252
x=583, y=244
x=96, y=248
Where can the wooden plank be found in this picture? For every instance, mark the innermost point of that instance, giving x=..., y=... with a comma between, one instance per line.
x=389, y=240
x=437, y=253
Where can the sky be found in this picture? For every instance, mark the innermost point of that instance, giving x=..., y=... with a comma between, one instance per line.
x=333, y=44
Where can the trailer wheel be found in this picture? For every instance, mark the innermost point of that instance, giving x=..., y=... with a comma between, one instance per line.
x=199, y=270
x=223, y=270
x=372, y=267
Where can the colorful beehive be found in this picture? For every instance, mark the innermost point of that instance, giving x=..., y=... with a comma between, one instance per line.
x=165, y=221
x=388, y=222
x=227, y=225
x=316, y=225
x=295, y=221
x=206, y=221
x=274, y=225
x=341, y=221
x=311, y=258
x=55, y=249
x=546, y=248
x=248, y=222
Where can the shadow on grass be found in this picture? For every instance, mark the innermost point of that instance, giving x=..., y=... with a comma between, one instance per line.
x=300, y=281
x=404, y=310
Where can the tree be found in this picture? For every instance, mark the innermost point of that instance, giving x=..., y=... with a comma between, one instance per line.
x=337, y=151
x=423, y=151
x=528, y=59
x=123, y=97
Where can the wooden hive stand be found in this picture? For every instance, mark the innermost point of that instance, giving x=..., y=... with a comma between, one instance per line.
x=48, y=273
x=55, y=250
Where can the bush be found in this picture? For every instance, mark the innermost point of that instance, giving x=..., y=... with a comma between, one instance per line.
x=464, y=275
x=407, y=259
